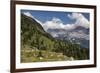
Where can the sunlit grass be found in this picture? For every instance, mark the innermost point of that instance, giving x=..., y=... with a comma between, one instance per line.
x=32, y=55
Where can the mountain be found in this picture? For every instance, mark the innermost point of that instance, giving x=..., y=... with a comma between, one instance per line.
x=32, y=31
x=78, y=35
x=39, y=41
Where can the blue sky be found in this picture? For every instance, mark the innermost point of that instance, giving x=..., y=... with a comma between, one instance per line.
x=48, y=15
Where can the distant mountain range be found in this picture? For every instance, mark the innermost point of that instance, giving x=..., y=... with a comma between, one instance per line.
x=72, y=35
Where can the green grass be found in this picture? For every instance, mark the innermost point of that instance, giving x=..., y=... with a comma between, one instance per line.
x=33, y=55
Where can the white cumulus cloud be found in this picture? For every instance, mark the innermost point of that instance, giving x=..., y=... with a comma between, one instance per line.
x=80, y=19
x=56, y=23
